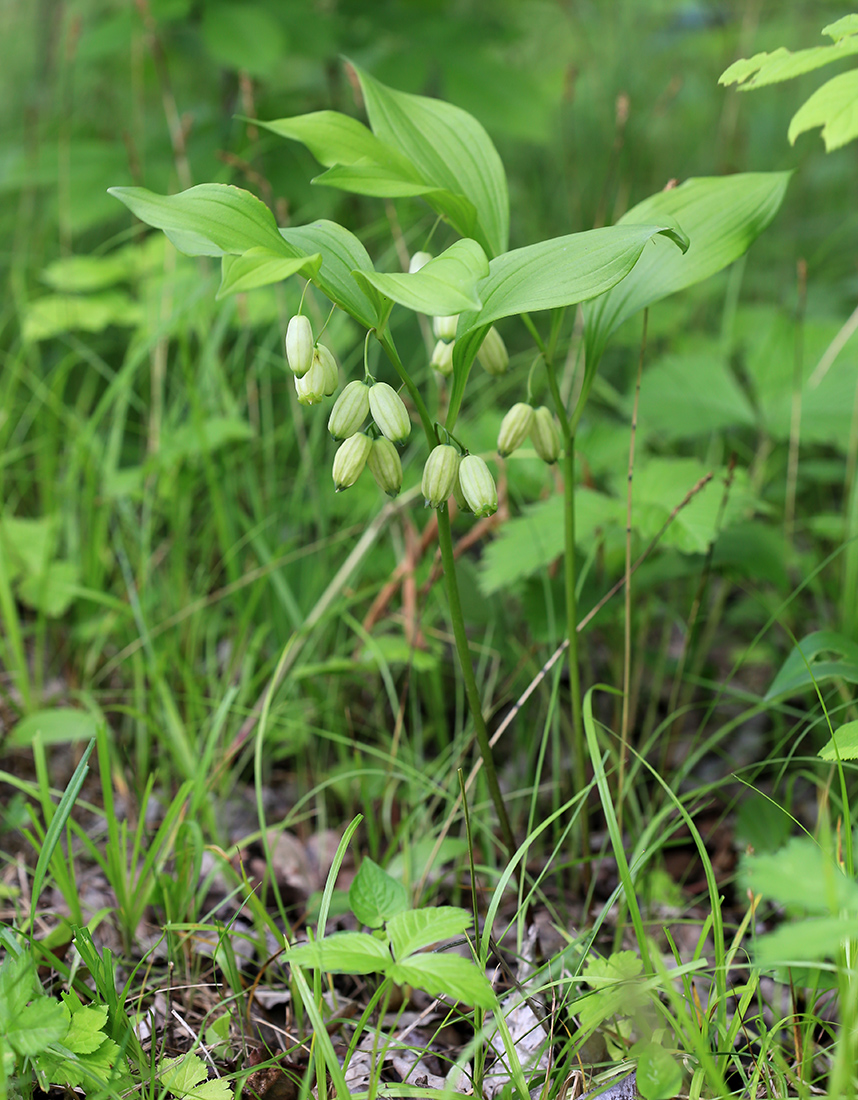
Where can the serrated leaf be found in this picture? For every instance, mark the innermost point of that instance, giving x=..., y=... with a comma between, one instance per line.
x=86, y=1028
x=621, y=966
x=343, y=953
x=721, y=216
x=260, y=267
x=844, y=743
x=445, y=975
x=801, y=875
x=17, y=984
x=805, y=941
x=418, y=928
x=451, y=151
x=38, y=1024
x=807, y=664
x=374, y=896
x=342, y=254
x=181, y=1075
x=444, y=286
x=52, y=592
x=848, y=24
x=782, y=64
x=658, y=1075
x=210, y=219
x=834, y=107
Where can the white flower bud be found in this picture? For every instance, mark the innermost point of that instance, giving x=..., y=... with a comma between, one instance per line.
x=439, y=474
x=478, y=486
x=389, y=412
x=442, y=358
x=545, y=435
x=299, y=345
x=349, y=411
x=445, y=327
x=514, y=428
x=329, y=366
x=385, y=466
x=493, y=355
x=350, y=460
x=418, y=260
x=310, y=387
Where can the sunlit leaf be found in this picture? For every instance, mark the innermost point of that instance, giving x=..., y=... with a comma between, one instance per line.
x=415, y=929
x=374, y=896
x=260, y=267
x=834, y=107
x=343, y=953
x=445, y=975
x=844, y=743
x=445, y=285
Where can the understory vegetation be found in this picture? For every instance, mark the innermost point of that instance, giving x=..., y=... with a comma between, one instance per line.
x=534, y=776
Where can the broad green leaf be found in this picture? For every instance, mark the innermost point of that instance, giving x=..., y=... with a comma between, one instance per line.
x=445, y=975
x=17, y=985
x=834, y=107
x=621, y=966
x=721, y=216
x=46, y=317
x=374, y=896
x=260, y=267
x=59, y=726
x=343, y=953
x=182, y=1075
x=28, y=544
x=208, y=220
x=783, y=64
x=805, y=941
x=374, y=181
x=844, y=743
x=193, y=440
x=528, y=543
x=801, y=875
x=562, y=271
x=816, y=651
x=848, y=24
x=762, y=824
x=338, y=139
x=450, y=150
x=39, y=1023
x=658, y=1075
x=53, y=591
x=342, y=254
x=559, y=272
x=86, y=1027
x=444, y=286
x=418, y=928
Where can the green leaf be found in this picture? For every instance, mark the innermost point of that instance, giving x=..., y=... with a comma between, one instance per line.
x=783, y=64
x=60, y=725
x=417, y=928
x=848, y=24
x=208, y=220
x=194, y=440
x=36, y=1026
x=337, y=139
x=378, y=182
x=450, y=150
x=805, y=941
x=562, y=271
x=658, y=1075
x=28, y=543
x=374, y=896
x=445, y=975
x=86, y=1027
x=53, y=591
x=343, y=953
x=721, y=216
x=186, y=1076
x=834, y=107
x=260, y=267
x=17, y=985
x=342, y=254
x=801, y=875
x=46, y=317
x=444, y=286
x=795, y=675
x=617, y=989
x=844, y=743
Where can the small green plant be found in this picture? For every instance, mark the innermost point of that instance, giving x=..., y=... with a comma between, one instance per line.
x=50, y=1041
x=395, y=948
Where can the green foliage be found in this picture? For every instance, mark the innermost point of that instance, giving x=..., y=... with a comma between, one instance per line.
x=834, y=106
x=57, y=1042
x=186, y=1078
x=395, y=950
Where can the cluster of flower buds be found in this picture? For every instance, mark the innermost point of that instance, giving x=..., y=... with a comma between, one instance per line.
x=523, y=420
x=314, y=366
x=467, y=479
x=358, y=448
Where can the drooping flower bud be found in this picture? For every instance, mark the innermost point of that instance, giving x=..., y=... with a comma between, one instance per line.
x=459, y=496
x=329, y=366
x=439, y=474
x=545, y=435
x=310, y=387
x=418, y=260
x=386, y=468
x=493, y=354
x=478, y=486
x=442, y=358
x=389, y=412
x=350, y=460
x=349, y=411
x=445, y=327
x=514, y=428
x=299, y=345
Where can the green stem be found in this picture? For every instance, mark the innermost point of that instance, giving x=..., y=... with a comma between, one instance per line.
x=567, y=427
x=445, y=540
